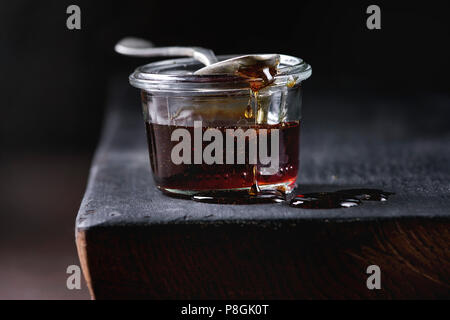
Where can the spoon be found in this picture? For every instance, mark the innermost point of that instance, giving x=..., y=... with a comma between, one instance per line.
x=143, y=48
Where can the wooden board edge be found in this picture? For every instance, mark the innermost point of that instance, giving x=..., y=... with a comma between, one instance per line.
x=80, y=237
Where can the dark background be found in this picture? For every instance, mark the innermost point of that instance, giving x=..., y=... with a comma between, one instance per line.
x=54, y=84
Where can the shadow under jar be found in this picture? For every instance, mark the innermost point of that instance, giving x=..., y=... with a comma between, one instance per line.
x=213, y=133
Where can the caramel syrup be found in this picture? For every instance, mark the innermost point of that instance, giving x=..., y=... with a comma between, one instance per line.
x=260, y=75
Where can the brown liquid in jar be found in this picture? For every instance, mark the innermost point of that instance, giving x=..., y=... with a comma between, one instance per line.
x=203, y=176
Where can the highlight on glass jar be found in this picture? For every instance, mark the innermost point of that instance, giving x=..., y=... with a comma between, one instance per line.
x=231, y=133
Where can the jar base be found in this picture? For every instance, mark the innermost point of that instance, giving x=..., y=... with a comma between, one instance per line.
x=269, y=193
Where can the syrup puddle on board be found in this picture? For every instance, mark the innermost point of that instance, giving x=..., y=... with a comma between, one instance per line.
x=315, y=200
x=244, y=197
x=338, y=199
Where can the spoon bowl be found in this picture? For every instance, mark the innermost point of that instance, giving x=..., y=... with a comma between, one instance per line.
x=231, y=66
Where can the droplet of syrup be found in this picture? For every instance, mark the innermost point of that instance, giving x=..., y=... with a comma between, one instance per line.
x=254, y=189
x=248, y=112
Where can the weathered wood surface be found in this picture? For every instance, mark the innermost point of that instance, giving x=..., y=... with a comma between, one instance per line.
x=135, y=242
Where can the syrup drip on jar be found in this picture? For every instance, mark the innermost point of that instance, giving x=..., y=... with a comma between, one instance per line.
x=260, y=75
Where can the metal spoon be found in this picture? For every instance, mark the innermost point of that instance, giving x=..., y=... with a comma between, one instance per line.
x=142, y=48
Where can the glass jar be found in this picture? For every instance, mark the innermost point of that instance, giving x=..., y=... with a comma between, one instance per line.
x=211, y=133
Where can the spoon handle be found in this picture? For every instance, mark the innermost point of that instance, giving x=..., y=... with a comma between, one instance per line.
x=205, y=56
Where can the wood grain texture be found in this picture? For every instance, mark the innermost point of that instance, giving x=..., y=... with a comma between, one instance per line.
x=135, y=242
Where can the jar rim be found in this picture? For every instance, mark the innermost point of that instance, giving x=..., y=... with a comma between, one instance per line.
x=165, y=76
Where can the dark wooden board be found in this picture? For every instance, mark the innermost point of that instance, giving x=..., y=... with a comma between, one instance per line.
x=309, y=260
x=153, y=244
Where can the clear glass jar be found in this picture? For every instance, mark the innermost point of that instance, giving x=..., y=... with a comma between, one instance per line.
x=210, y=133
